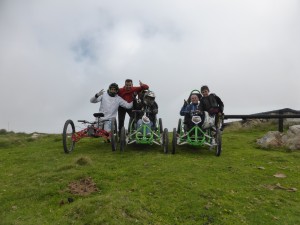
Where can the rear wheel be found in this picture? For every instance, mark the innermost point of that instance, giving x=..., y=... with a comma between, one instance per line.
x=219, y=142
x=122, y=139
x=69, y=130
x=165, y=140
x=160, y=125
x=129, y=130
x=179, y=126
x=114, y=134
x=174, y=141
x=132, y=126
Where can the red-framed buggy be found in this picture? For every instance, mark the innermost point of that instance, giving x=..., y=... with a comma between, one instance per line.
x=93, y=129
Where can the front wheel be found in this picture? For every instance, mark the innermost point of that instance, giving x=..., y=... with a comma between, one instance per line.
x=165, y=140
x=174, y=141
x=219, y=142
x=160, y=125
x=179, y=126
x=114, y=134
x=122, y=139
x=68, y=132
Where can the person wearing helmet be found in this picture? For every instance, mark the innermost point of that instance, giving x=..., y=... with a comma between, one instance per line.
x=149, y=98
x=110, y=101
x=189, y=100
x=149, y=109
x=128, y=93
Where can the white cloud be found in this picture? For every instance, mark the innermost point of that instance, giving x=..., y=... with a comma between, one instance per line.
x=55, y=55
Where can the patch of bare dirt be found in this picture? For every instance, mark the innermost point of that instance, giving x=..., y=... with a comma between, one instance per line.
x=83, y=187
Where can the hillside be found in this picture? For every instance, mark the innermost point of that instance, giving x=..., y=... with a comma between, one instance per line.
x=40, y=184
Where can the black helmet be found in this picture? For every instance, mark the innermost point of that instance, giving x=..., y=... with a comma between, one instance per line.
x=115, y=86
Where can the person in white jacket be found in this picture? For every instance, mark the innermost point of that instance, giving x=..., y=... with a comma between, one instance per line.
x=109, y=104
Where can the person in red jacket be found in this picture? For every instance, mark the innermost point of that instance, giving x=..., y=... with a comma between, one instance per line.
x=128, y=93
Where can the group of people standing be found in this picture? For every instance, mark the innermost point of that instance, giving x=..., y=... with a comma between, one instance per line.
x=122, y=101
x=138, y=100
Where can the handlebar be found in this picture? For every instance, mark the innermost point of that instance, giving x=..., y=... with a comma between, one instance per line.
x=85, y=121
x=94, y=122
x=141, y=110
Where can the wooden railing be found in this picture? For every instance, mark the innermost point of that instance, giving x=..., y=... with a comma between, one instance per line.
x=280, y=116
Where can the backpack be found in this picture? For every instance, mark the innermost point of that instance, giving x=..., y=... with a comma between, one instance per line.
x=209, y=121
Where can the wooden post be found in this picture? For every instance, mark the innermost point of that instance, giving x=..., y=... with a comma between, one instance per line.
x=280, y=121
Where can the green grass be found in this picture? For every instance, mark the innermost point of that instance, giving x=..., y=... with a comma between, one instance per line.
x=145, y=186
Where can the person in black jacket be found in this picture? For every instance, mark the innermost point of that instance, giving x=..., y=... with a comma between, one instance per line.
x=211, y=103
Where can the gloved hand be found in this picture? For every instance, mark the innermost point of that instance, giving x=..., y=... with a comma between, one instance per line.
x=184, y=103
x=99, y=93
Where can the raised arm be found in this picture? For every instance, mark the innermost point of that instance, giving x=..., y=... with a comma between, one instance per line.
x=143, y=86
x=96, y=98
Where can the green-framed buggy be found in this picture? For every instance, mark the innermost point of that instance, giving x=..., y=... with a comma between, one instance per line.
x=202, y=133
x=139, y=135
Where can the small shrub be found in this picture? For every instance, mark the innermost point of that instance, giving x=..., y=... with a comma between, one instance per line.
x=4, y=143
x=3, y=131
x=30, y=139
x=83, y=161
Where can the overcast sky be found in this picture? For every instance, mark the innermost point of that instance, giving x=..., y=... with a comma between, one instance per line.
x=55, y=55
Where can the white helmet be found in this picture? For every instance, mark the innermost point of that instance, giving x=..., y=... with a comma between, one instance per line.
x=149, y=98
x=150, y=94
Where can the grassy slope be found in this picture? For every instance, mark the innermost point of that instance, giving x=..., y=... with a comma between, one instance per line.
x=145, y=186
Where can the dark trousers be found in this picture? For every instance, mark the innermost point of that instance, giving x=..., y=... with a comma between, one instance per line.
x=121, y=116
